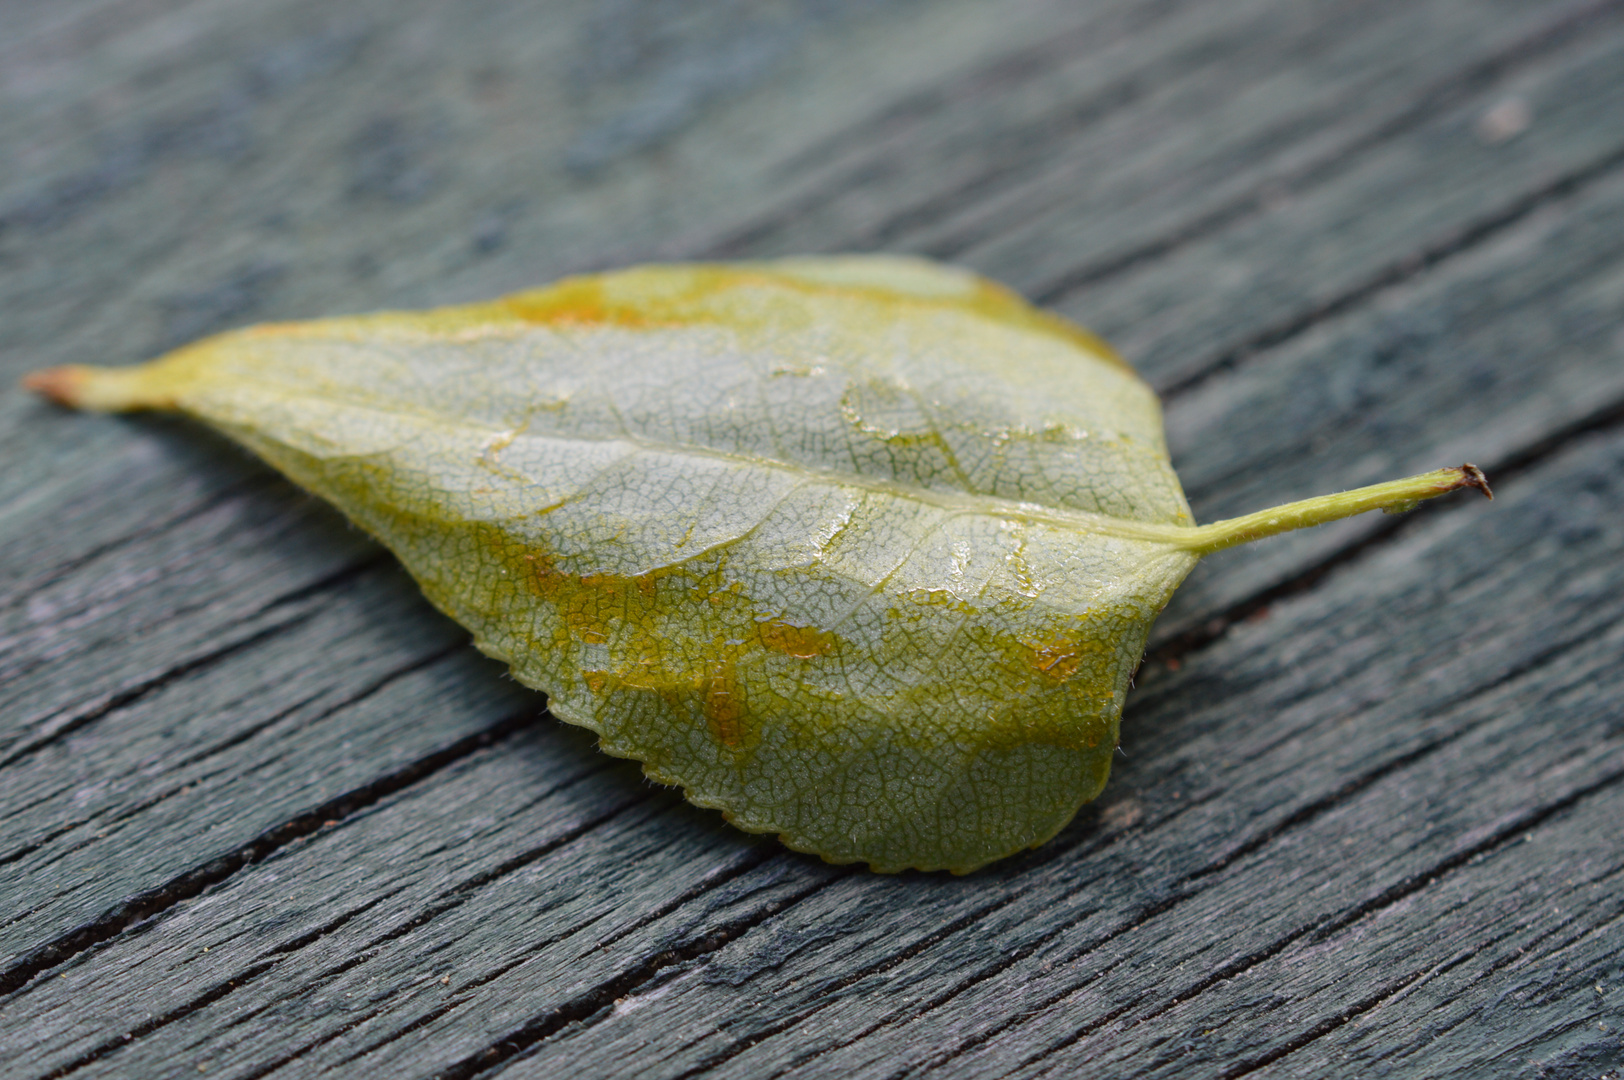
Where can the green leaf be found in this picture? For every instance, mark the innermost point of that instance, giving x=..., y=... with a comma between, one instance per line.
x=860, y=551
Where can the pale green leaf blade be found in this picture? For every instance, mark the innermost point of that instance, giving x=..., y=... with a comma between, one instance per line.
x=862, y=551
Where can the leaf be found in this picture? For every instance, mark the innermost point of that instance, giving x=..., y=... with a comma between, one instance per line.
x=860, y=551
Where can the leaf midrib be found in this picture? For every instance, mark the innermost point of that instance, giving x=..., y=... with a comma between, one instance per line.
x=956, y=503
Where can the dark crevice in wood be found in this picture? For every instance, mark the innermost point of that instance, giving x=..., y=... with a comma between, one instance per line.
x=759, y=856
x=131, y=695
x=1458, y=242
x=23, y=808
x=586, y=1005
x=132, y=810
x=148, y=803
x=829, y=994
x=1324, y=805
x=1180, y=894
x=1509, y=467
x=459, y=894
x=1001, y=75
x=460, y=997
x=1606, y=416
x=1523, y=953
x=282, y=1061
x=304, y=988
x=61, y=570
x=942, y=999
x=1324, y=1027
x=365, y=951
x=1010, y=959
x=187, y=885
x=1429, y=103
x=213, y=994
x=1020, y=66
x=29, y=849
x=1106, y=1018
x=1099, y=1022
x=461, y=891
x=327, y=583
x=1319, y=931
x=1313, y=932
x=209, y=997
x=254, y=729
x=377, y=685
x=1051, y=852
x=1331, y=1024
x=1520, y=954
x=1140, y=918
x=1507, y=834
x=1049, y=132
x=288, y=948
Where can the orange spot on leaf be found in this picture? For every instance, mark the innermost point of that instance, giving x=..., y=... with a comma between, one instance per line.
x=802, y=642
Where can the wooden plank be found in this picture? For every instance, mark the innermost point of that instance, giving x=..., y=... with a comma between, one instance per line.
x=216, y=163
x=331, y=698
x=1404, y=201
x=548, y=883
x=1512, y=341
x=1216, y=116
x=1525, y=274
x=763, y=942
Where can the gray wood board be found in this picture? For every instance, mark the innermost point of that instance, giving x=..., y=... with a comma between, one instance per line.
x=263, y=813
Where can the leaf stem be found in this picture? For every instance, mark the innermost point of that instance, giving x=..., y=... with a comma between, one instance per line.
x=1394, y=496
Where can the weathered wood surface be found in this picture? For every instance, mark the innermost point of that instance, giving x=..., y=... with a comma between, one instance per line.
x=263, y=813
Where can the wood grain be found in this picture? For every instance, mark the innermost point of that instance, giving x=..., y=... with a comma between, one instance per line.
x=263, y=813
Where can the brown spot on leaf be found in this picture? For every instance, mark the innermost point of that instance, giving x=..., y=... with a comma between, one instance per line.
x=802, y=642
x=594, y=605
x=1058, y=660
x=724, y=706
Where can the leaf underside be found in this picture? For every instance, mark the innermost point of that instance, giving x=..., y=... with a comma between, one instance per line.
x=861, y=551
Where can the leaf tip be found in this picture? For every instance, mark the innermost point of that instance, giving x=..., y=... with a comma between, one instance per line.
x=62, y=385
x=98, y=389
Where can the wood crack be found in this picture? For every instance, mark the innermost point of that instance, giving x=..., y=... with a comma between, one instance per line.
x=460, y=997
x=210, y=996
x=587, y=1004
x=213, y=994
x=1054, y=850
x=825, y=994
x=1458, y=242
x=1512, y=465
x=55, y=574
x=461, y=893
x=191, y=883
x=1139, y=919
x=1325, y=1027
x=1424, y=878
x=148, y=803
x=1428, y=104
x=763, y=853
x=130, y=695
x=1012, y=69
x=1342, y=795
x=1312, y=932
x=1021, y=65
